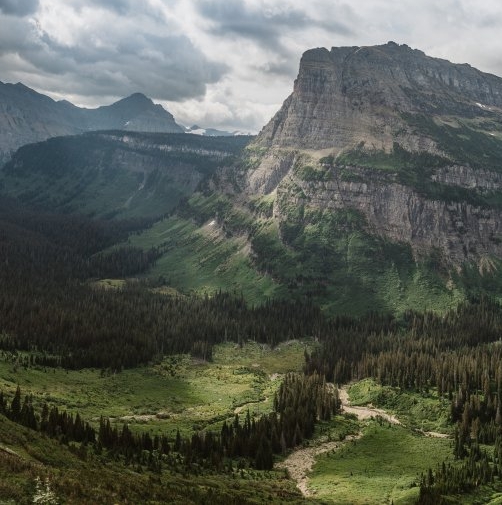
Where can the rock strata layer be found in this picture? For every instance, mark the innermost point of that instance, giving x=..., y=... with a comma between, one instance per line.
x=428, y=137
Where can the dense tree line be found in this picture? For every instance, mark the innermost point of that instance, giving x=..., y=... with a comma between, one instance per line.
x=48, y=307
x=420, y=351
x=478, y=424
x=55, y=423
x=85, y=327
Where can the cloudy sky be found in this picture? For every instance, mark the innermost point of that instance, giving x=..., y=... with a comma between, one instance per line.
x=221, y=63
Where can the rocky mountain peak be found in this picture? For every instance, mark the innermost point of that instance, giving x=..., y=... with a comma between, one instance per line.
x=347, y=95
x=411, y=143
x=27, y=116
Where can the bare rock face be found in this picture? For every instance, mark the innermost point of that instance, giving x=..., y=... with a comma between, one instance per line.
x=352, y=94
x=420, y=137
x=460, y=230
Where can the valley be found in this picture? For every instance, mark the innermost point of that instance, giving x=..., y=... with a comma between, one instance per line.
x=309, y=315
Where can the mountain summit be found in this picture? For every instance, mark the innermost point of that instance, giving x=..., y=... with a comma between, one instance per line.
x=359, y=94
x=27, y=116
x=410, y=143
x=134, y=113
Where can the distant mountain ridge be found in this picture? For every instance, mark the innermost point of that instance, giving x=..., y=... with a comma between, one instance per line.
x=115, y=173
x=27, y=116
x=212, y=132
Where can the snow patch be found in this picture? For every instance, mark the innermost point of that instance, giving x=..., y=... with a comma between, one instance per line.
x=212, y=223
x=199, y=131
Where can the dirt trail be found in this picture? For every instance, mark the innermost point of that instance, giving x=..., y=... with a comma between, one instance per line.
x=300, y=462
x=364, y=413
x=434, y=434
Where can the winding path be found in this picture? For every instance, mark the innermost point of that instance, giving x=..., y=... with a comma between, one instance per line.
x=364, y=413
x=300, y=462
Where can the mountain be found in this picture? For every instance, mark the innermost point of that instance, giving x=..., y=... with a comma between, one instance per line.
x=134, y=113
x=115, y=173
x=27, y=116
x=351, y=95
x=376, y=186
x=411, y=143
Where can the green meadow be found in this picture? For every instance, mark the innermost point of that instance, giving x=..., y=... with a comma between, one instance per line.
x=381, y=467
x=176, y=393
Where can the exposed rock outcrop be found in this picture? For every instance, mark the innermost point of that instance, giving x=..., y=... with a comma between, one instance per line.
x=423, y=140
x=459, y=230
x=352, y=94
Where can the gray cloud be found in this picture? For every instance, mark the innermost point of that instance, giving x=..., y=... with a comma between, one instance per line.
x=164, y=66
x=264, y=27
x=18, y=7
x=227, y=63
x=119, y=6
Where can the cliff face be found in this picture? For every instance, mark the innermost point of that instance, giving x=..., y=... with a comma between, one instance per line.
x=459, y=230
x=412, y=143
x=353, y=94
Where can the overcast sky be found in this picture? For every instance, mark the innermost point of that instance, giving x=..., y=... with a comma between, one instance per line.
x=221, y=63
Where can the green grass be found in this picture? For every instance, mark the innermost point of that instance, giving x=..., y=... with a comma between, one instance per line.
x=187, y=394
x=466, y=142
x=204, y=260
x=329, y=257
x=323, y=255
x=177, y=393
x=415, y=169
x=381, y=467
x=84, y=477
x=423, y=411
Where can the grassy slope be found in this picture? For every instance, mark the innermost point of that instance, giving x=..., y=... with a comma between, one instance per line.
x=202, y=259
x=327, y=256
x=383, y=465
x=89, y=479
x=189, y=394
x=345, y=271
x=421, y=411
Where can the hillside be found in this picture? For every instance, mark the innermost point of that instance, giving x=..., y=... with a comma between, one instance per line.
x=114, y=173
x=376, y=186
x=207, y=320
